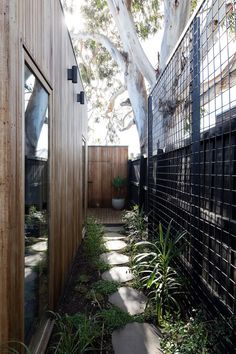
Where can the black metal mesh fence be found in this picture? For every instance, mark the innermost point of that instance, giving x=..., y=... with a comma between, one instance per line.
x=138, y=180
x=192, y=151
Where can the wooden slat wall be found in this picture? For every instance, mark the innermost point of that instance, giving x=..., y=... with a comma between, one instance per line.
x=105, y=163
x=38, y=26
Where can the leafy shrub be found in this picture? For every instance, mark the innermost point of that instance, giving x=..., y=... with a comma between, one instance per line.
x=154, y=265
x=135, y=224
x=197, y=335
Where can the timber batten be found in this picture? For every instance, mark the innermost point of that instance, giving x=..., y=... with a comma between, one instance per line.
x=34, y=32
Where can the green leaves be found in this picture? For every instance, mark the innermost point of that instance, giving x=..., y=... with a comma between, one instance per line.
x=93, y=242
x=114, y=318
x=154, y=265
x=76, y=333
x=119, y=182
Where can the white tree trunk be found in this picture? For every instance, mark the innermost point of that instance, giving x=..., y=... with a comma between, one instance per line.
x=138, y=98
x=34, y=118
x=133, y=61
x=176, y=16
x=131, y=44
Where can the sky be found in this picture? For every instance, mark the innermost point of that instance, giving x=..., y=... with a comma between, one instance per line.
x=151, y=47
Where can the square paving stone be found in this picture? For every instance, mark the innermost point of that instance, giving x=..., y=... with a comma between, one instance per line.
x=136, y=338
x=119, y=274
x=114, y=236
x=115, y=245
x=114, y=258
x=129, y=300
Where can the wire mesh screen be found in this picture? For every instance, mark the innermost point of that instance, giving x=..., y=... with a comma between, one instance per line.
x=192, y=150
x=138, y=181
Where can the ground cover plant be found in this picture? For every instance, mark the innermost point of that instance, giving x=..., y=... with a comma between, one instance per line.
x=93, y=243
x=197, y=334
x=114, y=318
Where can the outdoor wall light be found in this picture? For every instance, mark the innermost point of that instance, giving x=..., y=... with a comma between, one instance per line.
x=72, y=74
x=80, y=97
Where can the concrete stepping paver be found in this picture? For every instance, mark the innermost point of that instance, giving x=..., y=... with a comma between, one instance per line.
x=129, y=300
x=136, y=338
x=34, y=259
x=40, y=246
x=114, y=236
x=115, y=245
x=114, y=229
x=114, y=258
x=119, y=274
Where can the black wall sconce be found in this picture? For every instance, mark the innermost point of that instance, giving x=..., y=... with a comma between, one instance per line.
x=80, y=97
x=72, y=74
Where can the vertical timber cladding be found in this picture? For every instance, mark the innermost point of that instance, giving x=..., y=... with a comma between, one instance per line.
x=35, y=32
x=192, y=152
x=104, y=164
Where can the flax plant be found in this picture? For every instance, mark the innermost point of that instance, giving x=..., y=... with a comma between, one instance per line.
x=154, y=264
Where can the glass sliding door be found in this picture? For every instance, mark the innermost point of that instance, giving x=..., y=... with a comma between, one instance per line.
x=36, y=202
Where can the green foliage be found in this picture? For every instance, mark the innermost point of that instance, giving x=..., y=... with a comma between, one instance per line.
x=35, y=223
x=105, y=287
x=14, y=347
x=147, y=17
x=114, y=318
x=154, y=265
x=197, y=335
x=93, y=242
x=101, y=265
x=119, y=182
x=76, y=334
x=84, y=278
x=135, y=224
x=99, y=71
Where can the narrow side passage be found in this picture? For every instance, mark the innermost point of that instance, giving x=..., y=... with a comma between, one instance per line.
x=134, y=338
x=101, y=299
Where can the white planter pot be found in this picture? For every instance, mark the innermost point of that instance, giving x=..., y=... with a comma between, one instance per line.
x=118, y=203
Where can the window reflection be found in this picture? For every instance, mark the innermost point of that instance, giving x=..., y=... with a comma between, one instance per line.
x=36, y=201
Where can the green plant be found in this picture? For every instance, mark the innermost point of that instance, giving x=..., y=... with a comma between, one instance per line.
x=135, y=224
x=114, y=318
x=14, y=347
x=154, y=265
x=105, y=287
x=84, y=278
x=93, y=242
x=101, y=265
x=75, y=334
x=119, y=182
x=196, y=335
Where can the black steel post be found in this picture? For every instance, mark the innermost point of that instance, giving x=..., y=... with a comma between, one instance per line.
x=195, y=149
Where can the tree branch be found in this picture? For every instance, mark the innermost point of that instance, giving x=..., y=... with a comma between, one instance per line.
x=113, y=99
x=106, y=43
x=121, y=13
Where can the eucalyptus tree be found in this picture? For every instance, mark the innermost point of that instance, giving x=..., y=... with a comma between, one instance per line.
x=111, y=42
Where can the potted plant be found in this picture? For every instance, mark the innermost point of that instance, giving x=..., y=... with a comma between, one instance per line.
x=118, y=202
